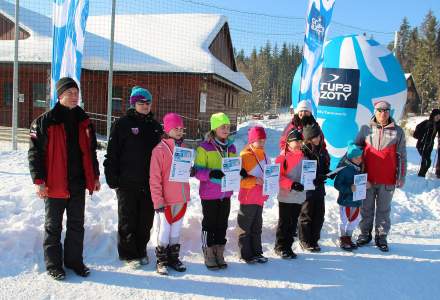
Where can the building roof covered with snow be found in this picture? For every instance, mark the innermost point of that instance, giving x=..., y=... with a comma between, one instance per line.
x=171, y=43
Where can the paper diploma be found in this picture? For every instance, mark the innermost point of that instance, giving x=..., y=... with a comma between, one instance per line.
x=271, y=179
x=181, y=164
x=231, y=166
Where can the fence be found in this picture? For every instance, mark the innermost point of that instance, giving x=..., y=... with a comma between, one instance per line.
x=196, y=58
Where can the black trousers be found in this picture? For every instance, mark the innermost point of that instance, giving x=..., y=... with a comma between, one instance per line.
x=287, y=224
x=250, y=224
x=426, y=162
x=135, y=219
x=311, y=217
x=53, y=227
x=215, y=221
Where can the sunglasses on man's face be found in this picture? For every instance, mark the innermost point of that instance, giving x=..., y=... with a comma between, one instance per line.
x=383, y=110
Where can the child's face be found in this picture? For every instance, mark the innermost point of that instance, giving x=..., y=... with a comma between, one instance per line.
x=294, y=145
x=316, y=140
x=357, y=160
x=176, y=133
x=259, y=143
x=223, y=131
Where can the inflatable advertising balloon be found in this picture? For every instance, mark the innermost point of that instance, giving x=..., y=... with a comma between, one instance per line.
x=356, y=73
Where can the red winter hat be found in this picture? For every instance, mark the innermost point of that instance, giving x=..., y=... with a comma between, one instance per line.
x=172, y=120
x=256, y=133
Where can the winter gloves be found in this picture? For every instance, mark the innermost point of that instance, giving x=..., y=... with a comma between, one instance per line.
x=217, y=174
x=243, y=173
x=297, y=187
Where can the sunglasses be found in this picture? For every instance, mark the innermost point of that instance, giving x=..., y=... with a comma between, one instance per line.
x=383, y=110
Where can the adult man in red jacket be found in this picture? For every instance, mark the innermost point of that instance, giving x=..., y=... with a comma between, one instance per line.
x=385, y=163
x=63, y=163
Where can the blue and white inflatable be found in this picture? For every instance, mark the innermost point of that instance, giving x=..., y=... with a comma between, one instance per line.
x=356, y=72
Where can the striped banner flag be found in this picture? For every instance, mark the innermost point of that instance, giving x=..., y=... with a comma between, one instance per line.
x=69, y=25
x=319, y=14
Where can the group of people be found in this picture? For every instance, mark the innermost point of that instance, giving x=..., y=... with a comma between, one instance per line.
x=63, y=164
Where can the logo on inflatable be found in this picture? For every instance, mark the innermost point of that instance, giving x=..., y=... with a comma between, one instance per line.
x=356, y=72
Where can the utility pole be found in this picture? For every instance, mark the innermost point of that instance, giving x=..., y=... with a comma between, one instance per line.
x=110, y=72
x=396, y=40
x=15, y=80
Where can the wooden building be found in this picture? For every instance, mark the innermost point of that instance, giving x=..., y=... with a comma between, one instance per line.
x=413, y=100
x=185, y=60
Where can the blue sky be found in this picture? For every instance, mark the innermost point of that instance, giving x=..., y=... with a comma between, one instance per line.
x=377, y=18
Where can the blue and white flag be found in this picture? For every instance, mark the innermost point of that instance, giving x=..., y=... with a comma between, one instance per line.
x=69, y=25
x=319, y=14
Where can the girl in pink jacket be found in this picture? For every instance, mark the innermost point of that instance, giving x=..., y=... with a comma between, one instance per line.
x=169, y=197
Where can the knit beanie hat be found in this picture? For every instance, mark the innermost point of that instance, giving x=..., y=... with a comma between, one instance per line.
x=172, y=120
x=311, y=131
x=434, y=113
x=256, y=133
x=304, y=105
x=353, y=150
x=64, y=84
x=294, y=135
x=218, y=120
x=140, y=94
x=382, y=104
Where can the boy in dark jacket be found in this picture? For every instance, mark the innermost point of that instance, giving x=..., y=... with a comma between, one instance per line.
x=312, y=213
x=348, y=208
x=425, y=133
x=127, y=169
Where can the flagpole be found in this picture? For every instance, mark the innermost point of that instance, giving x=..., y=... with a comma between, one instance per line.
x=15, y=80
x=110, y=72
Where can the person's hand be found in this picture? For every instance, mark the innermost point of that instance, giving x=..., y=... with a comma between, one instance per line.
x=297, y=186
x=259, y=181
x=160, y=210
x=41, y=190
x=320, y=179
x=217, y=174
x=353, y=188
x=243, y=173
x=369, y=185
x=332, y=176
x=400, y=183
x=192, y=172
x=97, y=186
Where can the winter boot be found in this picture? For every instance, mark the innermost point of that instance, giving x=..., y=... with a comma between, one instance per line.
x=144, y=261
x=162, y=260
x=56, y=273
x=345, y=243
x=210, y=260
x=381, y=243
x=80, y=269
x=354, y=246
x=219, y=251
x=173, y=258
x=261, y=259
x=363, y=239
x=306, y=246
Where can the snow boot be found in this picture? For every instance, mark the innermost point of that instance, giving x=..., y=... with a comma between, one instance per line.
x=173, y=258
x=80, y=270
x=285, y=254
x=381, y=243
x=261, y=259
x=219, y=251
x=162, y=260
x=316, y=247
x=345, y=243
x=57, y=273
x=306, y=246
x=363, y=239
x=133, y=264
x=144, y=261
x=210, y=260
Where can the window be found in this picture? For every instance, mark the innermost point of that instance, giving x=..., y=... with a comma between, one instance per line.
x=117, y=99
x=7, y=93
x=40, y=94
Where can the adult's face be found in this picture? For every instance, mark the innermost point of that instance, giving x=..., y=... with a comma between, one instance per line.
x=143, y=107
x=303, y=113
x=382, y=115
x=437, y=118
x=69, y=98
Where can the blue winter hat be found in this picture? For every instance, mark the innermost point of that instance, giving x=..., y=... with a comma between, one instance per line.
x=140, y=94
x=353, y=150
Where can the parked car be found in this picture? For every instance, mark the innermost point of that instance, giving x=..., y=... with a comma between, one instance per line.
x=257, y=116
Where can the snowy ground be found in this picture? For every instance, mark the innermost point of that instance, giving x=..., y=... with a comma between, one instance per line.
x=410, y=270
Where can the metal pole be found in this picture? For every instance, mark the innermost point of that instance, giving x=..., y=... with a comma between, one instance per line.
x=15, y=80
x=110, y=72
x=396, y=39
